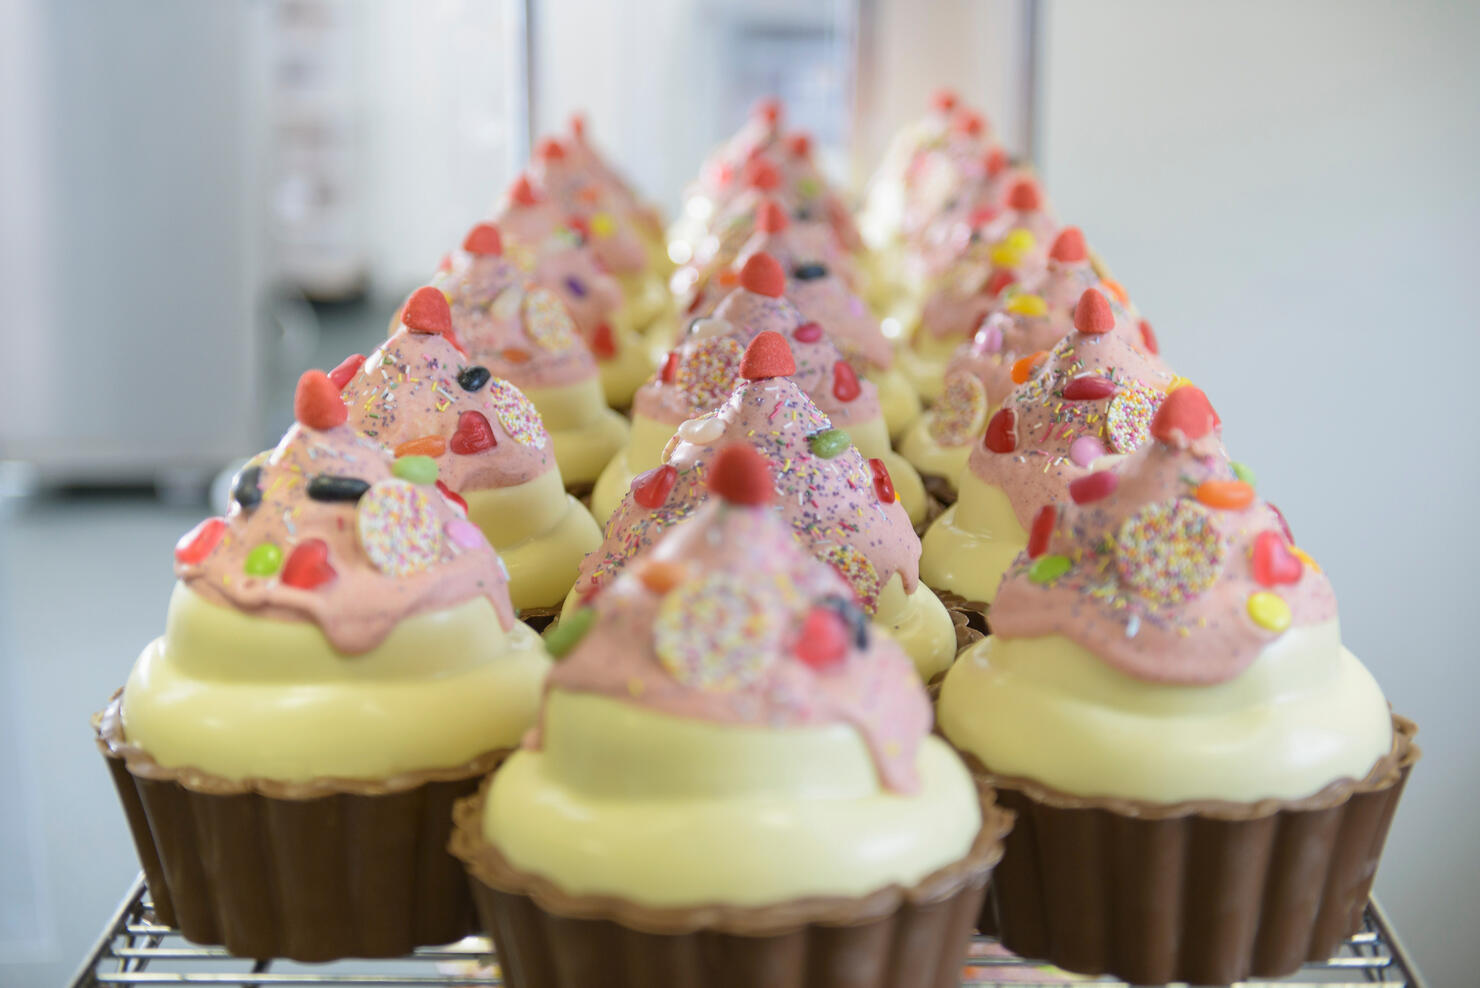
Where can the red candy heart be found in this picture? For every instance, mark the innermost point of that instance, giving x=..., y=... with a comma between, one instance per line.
x=1001, y=434
x=763, y=275
x=771, y=218
x=308, y=565
x=198, y=543
x=1185, y=415
x=883, y=483
x=427, y=311
x=1024, y=196
x=822, y=641
x=1093, y=487
x=484, y=239
x=603, y=343
x=651, y=489
x=845, y=382
x=1092, y=316
x=316, y=401
x=341, y=375
x=550, y=149
x=1042, y=530
x=999, y=280
x=807, y=332
x=522, y=193
x=767, y=356
x=1148, y=338
x=996, y=162
x=760, y=174
x=1068, y=246
x=670, y=368
x=453, y=496
x=741, y=475
x=1089, y=387
x=473, y=434
x=1273, y=563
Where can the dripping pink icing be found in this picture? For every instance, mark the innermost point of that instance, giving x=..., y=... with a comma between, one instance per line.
x=361, y=604
x=872, y=688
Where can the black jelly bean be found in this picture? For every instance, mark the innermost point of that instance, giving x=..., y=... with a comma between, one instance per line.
x=473, y=378
x=246, y=490
x=809, y=272
x=328, y=487
x=852, y=616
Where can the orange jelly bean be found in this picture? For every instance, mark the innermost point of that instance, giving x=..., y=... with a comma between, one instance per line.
x=1026, y=366
x=661, y=576
x=728, y=278
x=515, y=355
x=424, y=446
x=1113, y=287
x=1226, y=495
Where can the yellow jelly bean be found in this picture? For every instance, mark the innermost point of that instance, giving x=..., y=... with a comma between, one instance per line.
x=1269, y=611
x=602, y=224
x=1027, y=305
x=1011, y=249
x=1304, y=557
x=1178, y=381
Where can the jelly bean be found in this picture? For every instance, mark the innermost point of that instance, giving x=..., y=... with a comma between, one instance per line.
x=807, y=332
x=1042, y=530
x=1269, y=611
x=424, y=446
x=603, y=342
x=651, y=488
x=1025, y=367
x=1046, y=569
x=473, y=435
x=264, y=560
x=515, y=355
x=852, y=615
x=1226, y=495
x=198, y=543
x=331, y=487
x=603, y=225
x=701, y=431
x=567, y=634
x=1027, y=304
x=1114, y=288
x=308, y=565
x=1242, y=472
x=474, y=377
x=417, y=469
x=998, y=280
x=427, y=311
x=809, y=272
x=1148, y=338
x=1304, y=557
x=317, y=403
x=453, y=496
x=1092, y=315
x=661, y=575
x=246, y=490
x=670, y=367
x=988, y=338
x=822, y=642
x=829, y=443
x=575, y=286
x=1272, y=562
x=1086, y=450
x=464, y=533
x=883, y=483
x=845, y=381
x=1001, y=434
x=1093, y=487
x=762, y=274
x=1089, y=387
x=767, y=356
x=484, y=239
x=348, y=367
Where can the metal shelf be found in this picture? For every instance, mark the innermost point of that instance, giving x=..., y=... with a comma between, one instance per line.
x=134, y=949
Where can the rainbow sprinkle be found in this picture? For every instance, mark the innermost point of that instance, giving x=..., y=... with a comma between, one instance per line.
x=1169, y=552
x=516, y=414
x=1128, y=418
x=720, y=633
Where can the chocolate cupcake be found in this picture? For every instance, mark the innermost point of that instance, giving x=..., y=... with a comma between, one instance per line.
x=1203, y=774
x=340, y=662
x=732, y=784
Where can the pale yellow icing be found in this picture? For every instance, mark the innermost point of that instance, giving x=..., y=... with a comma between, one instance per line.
x=540, y=532
x=921, y=625
x=669, y=811
x=897, y=399
x=628, y=368
x=927, y=455
x=968, y=548
x=1304, y=715
x=585, y=432
x=241, y=696
x=923, y=361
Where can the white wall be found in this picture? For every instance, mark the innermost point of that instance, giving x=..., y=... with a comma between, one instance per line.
x=1289, y=192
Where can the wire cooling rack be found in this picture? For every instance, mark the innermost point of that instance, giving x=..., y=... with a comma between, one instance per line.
x=135, y=949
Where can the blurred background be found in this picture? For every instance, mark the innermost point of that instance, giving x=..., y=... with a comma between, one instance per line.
x=200, y=200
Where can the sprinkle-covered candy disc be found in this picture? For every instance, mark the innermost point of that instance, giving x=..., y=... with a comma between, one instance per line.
x=961, y=413
x=708, y=374
x=1169, y=552
x=547, y=323
x=721, y=632
x=516, y=414
x=398, y=529
x=853, y=566
x=506, y=305
x=1128, y=418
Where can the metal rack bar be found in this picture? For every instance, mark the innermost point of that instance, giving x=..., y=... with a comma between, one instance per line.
x=135, y=949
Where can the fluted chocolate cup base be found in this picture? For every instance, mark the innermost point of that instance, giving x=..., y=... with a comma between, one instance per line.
x=893, y=938
x=539, y=618
x=933, y=510
x=940, y=488
x=973, y=613
x=310, y=871
x=1206, y=893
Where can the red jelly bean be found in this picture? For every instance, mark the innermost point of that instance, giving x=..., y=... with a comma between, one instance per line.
x=473, y=434
x=807, y=332
x=198, y=543
x=1068, y=246
x=1001, y=434
x=1089, y=387
x=484, y=239
x=741, y=475
x=883, y=483
x=767, y=356
x=822, y=642
x=1042, y=530
x=341, y=375
x=453, y=496
x=1273, y=563
x=1093, y=487
x=771, y=218
x=845, y=381
x=1148, y=338
x=316, y=402
x=670, y=368
x=308, y=565
x=999, y=280
x=603, y=343
x=651, y=489
x=1092, y=315
x=1185, y=413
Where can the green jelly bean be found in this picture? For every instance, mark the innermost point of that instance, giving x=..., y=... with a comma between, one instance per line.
x=1046, y=569
x=264, y=560
x=829, y=443
x=567, y=634
x=417, y=469
x=1243, y=473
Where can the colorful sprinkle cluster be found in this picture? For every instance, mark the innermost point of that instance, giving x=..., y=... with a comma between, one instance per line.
x=1169, y=552
x=516, y=414
x=718, y=633
x=708, y=373
x=547, y=322
x=961, y=413
x=854, y=567
x=398, y=529
x=1128, y=417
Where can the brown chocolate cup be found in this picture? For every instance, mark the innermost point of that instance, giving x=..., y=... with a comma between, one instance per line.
x=893, y=938
x=540, y=618
x=942, y=489
x=1204, y=892
x=310, y=871
x=933, y=510
x=972, y=612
